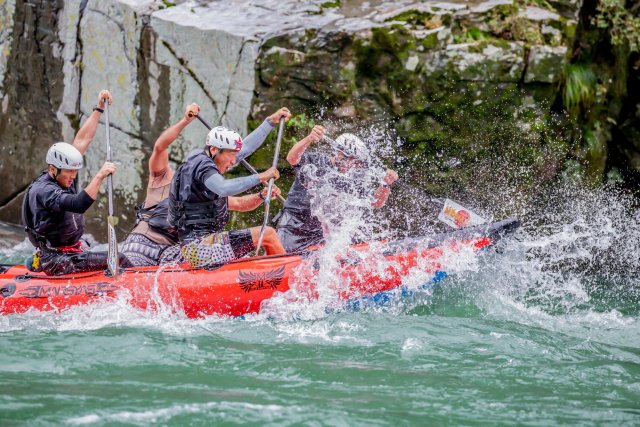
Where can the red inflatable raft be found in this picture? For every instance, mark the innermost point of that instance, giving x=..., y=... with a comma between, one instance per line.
x=240, y=287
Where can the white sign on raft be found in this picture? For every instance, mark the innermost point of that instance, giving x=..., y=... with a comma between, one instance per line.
x=458, y=216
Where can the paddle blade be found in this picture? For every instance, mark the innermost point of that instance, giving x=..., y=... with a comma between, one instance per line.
x=458, y=216
x=112, y=255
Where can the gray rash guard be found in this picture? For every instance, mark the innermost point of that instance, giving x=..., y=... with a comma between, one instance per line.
x=230, y=187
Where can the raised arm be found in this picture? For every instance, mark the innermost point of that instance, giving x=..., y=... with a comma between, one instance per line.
x=159, y=160
x=255, y=139
x=230, y=187
x=295, y=154
x=382, y=193
x=88, y=130
x=59, y=201
x=251, y=201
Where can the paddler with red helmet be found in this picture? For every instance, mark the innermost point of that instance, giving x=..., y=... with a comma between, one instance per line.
x=200, y=200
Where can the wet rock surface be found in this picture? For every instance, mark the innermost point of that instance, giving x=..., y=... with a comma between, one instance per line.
x=421, y=67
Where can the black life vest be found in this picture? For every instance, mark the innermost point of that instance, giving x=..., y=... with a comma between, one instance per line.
x=156, y=217
x=45, y=227
x=192, y=206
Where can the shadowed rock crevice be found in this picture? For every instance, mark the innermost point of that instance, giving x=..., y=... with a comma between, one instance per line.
x=154, y=95
x=32, y=93
x=78, y=58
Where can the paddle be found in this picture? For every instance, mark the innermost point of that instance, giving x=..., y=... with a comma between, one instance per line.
x=112, y=254
x=267, y=200
x=453, y=213
x=242, y=162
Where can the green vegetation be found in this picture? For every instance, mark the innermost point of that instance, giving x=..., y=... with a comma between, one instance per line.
x=329, y=4
x=471, y=35
x=486, y=112
x=579, y=87
x=622, y=23
x=166, y=4
x=424, y=19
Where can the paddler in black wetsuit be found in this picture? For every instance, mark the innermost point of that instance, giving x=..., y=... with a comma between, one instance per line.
x=200, y=200
x=298, y=228
x=52, y=208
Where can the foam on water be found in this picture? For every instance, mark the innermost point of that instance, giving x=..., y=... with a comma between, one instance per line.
x=573, y=266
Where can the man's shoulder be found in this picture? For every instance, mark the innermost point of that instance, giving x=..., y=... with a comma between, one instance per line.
x=314, y=157
x=45, y=184
x=205, y=167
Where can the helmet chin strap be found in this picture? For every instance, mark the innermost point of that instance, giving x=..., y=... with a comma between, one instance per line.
x=58, y=172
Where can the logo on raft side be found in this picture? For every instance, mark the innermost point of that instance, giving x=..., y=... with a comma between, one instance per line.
x=249, y=282
x=45, y=291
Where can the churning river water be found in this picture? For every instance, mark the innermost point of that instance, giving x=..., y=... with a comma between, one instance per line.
x=542, y=330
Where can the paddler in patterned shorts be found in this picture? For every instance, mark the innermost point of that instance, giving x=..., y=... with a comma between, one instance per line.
x=200, y=200
x=53, y=207
x=153, y=235
x=298, y=228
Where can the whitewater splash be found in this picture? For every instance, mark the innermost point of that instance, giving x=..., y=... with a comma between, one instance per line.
x=573, y=267
x=576, y=255
x=343, y=199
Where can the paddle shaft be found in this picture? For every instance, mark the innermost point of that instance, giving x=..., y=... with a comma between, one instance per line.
x=110, y=177
x=243, y=162
x=267, y=200
x=112, y=254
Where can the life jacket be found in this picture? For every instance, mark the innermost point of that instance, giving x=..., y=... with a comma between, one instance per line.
x=46, y=228
x=192, y=206
x=156, y=217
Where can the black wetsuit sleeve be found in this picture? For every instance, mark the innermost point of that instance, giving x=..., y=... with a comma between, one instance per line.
x=60, y=201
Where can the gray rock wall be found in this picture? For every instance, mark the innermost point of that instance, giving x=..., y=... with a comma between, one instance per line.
x=404, y=61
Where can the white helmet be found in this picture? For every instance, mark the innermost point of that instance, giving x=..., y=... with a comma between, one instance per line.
x=64, y=156
x=352, y=146
x=223, y=138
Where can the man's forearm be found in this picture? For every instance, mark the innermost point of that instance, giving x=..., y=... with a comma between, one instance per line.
x=167, y=137
x=295, y=154
x=87, y=132
x=380, y=197
x=245, y=203
x=94, y=186
x=159, y=159
x=254, y=140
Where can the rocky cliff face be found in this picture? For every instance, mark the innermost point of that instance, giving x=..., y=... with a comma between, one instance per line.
x=463, y=84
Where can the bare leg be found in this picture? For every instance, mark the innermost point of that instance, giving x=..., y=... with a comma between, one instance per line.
x=270, y=240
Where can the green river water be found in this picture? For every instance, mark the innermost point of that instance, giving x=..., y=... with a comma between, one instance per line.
x=542, y=330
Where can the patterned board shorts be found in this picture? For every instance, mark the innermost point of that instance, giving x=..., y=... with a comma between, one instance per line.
x=141, y=250
x=212, y=249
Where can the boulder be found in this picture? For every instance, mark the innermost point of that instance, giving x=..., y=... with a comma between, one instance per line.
x=416, y=66
x=545, y=64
